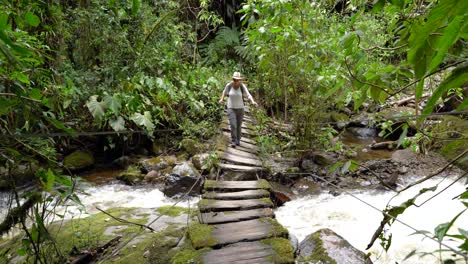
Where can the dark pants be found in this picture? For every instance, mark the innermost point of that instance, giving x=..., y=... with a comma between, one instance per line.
x=235, y=115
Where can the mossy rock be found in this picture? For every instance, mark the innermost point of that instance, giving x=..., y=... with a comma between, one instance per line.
x=326, y=247
x=337, y=117
x=158, y=163
x=131, y=176
x=190, y=146
x=78, y=160
x=201, y=235
x=284, y=252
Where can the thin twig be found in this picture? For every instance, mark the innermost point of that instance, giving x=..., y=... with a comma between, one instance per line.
x=126, y=221
x=363, y=82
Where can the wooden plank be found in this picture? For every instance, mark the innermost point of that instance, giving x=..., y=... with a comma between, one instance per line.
x=246, y=231
x=241, y=168
x=243, y=139
x=245, y=131
x=244, y=252
x=210, y=205
x=234, y=216
x=239, y=160
x=237, y=185
x=249, y=194
x=239, y=152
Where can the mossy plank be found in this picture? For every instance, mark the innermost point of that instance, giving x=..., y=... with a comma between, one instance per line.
x=209, y=205
x=242, y=195
x=236, y=185
x=234, y=216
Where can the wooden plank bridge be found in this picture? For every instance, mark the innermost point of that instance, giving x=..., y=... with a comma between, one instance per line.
x=239, y=214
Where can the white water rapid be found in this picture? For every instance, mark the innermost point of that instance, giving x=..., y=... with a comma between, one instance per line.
x=356, y=222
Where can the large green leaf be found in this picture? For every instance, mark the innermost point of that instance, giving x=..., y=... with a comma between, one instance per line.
x=420, y=52
x=448, y=38
x=456, y=79
x=96, y=108
x=144, y=120
x=113, y=103
x=6, y=106
x=117, y=124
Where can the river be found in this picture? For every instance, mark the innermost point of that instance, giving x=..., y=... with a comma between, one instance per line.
x=356, y=221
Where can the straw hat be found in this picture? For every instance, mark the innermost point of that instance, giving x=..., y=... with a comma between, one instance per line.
x=237, y=76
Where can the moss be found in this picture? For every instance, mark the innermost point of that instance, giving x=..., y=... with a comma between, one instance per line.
x=172, y=211
x=277, y=230
x=264, y=184
x=154, y=248
x=209, y=184
x=284, y=252
x=131, y=175
x=337, y=117
x=187, y=256
x=85, y=233
x=78, y=160
x=201, y=235
x=190, y=145
x=319, y=253
x=267, y=201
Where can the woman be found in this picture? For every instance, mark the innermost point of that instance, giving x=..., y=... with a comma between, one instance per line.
x=235, y=91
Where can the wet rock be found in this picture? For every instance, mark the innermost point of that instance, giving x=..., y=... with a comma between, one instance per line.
x=185, y=169
x=154, y=176
x=176, y=184
x=325, y=246
x=363, y=132
x=131, y=176
x=199, y=160
x=158, y=163
x=306, y=186
x=78, y=160
x=294, y=242
x=281, y=193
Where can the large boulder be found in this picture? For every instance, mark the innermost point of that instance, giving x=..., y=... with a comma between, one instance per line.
x=158, y=163
x=182, y=178
x=78, y=160
x=326, y=247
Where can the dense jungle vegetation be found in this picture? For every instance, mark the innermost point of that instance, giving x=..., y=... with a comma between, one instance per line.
x=158, y=67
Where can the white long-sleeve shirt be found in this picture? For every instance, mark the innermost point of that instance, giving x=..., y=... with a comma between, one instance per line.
x=235, y=96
